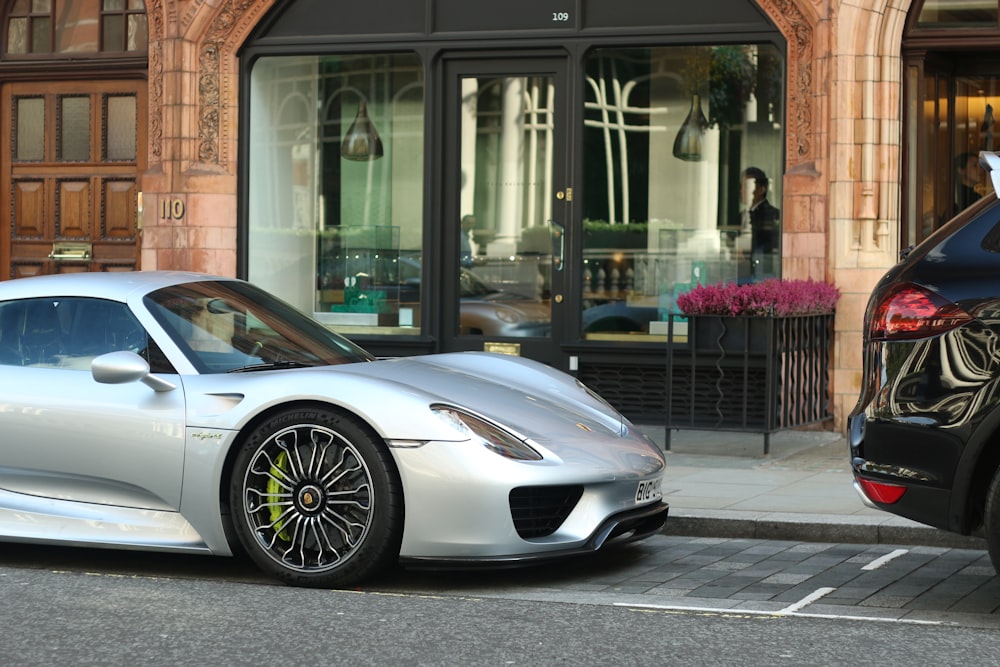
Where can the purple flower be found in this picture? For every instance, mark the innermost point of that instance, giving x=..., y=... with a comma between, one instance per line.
x=770, y=297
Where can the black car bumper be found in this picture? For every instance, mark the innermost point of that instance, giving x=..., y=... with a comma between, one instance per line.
x=888, y=457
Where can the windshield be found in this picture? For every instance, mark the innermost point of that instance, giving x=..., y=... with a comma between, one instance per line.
x=228, y=326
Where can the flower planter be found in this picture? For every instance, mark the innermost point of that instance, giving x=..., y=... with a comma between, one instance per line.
x=711, y=333
x=749, y=373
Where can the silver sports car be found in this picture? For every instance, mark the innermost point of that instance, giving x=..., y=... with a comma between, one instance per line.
x=191, y=413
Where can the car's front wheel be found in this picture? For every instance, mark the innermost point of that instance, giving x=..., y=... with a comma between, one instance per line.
x=316, y=500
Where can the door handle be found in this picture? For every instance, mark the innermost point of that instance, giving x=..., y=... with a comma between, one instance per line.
x=558, y=233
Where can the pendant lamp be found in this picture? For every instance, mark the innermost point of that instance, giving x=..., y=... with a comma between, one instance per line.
x=361, y=142
x=688, y=143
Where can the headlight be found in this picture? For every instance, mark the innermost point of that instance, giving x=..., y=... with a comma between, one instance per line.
x=506, y=315
x=489, y=435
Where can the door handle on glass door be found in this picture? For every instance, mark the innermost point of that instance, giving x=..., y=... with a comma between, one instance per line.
x=558, y=244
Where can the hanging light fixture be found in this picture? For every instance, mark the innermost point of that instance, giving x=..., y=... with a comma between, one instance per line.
x=688, y=143
x=361, y=142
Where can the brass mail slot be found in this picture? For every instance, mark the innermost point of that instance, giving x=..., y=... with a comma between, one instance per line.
x=513, y=349
x=65, y=251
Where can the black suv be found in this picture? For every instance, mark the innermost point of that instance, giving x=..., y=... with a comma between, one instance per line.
x=925, y=434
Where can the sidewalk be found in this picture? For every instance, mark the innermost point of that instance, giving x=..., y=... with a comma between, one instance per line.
x=720, y=484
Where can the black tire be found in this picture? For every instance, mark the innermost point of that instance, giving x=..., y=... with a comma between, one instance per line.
x=992, y=521
x=316, y=500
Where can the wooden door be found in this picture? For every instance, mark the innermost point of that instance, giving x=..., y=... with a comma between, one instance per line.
x=71, y=172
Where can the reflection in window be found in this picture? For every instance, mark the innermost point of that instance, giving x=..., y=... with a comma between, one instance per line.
x=30, y=122
x=123, y=25
x=67, y=333
x=73, y=139
x=975, y=129
x=36, y=27
x=507, y=152
x=958, y=14
x=120, y=117
x=336, y=186
x=682, y=160
x=952, y=115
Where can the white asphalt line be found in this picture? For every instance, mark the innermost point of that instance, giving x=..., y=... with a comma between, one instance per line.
x=701, y=610
x=879, y=562
x=807, y=600
x=879, y=619
x=791, y=611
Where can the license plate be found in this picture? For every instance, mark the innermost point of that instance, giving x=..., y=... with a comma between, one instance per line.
x=648, y=490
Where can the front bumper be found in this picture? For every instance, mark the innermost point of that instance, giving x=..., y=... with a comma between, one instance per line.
x=620, y=529
x=461, y=499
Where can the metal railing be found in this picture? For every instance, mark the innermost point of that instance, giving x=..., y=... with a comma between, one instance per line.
x=753, y=374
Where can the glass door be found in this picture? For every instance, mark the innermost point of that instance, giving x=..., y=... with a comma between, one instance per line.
x=507, y=200
x=952, y=101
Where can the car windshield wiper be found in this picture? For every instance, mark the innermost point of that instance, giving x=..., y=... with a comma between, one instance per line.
x=270, y=366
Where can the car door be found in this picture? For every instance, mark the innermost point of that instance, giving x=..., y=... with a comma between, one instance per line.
x=67, y=437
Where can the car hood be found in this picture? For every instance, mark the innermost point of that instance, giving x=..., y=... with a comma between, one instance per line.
x=537, y=402
x=530, y=308
x=532, y=400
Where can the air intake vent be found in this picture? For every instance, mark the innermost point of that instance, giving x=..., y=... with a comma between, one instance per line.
x=538, y=511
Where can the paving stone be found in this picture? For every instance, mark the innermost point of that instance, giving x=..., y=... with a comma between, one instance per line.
x=786, y=578
x=715, y=590
x=751, y=594
x=698, y=559
x=886, y=601
x=727, y=565
x=852, y=594
x=717, y=573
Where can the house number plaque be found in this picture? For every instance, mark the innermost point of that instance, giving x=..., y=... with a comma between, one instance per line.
x=171, y=208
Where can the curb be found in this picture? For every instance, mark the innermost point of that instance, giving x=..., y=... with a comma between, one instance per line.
x=813, y=528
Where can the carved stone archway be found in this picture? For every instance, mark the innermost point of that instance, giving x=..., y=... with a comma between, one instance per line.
x=193, y=129
x=799, y=24
x=865, y=147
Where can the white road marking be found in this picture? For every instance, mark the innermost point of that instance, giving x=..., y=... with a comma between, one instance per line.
x=879, y=562
x=791, y=611
x=807, y=600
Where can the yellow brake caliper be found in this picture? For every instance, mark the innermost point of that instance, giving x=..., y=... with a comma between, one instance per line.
x=274, y=489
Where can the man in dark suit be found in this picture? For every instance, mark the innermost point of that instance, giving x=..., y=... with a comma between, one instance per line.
x=465, y=249
x=967, y=173
x=764, y=227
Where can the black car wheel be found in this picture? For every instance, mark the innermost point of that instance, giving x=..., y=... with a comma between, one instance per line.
x=992, y=521
x=316, y=500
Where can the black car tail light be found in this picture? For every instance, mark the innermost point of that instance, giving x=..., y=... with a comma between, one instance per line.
x=910, y=311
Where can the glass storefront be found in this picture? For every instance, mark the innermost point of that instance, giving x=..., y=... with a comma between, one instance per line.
x=951, y=98
x=682, y=163
x=682, y=155
x=335, y=196
x=450, y=181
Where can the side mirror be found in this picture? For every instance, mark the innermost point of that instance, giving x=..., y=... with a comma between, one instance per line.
x=123, y=367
